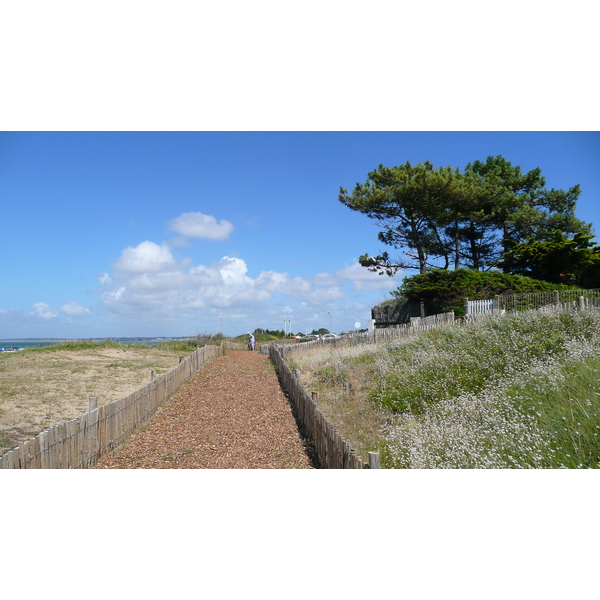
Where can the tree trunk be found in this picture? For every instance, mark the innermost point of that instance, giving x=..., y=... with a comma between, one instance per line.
x=456, y=248
x=474, y=249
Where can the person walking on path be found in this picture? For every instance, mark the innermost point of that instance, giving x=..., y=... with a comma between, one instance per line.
x=251, y=342
x=232, y=414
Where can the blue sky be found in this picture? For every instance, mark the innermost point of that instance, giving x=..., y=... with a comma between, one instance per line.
x=167, y=234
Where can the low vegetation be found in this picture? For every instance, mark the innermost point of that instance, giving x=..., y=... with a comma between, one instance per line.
x=44, y=386
x=343, y=377
x=518, y=391
x=190, y=344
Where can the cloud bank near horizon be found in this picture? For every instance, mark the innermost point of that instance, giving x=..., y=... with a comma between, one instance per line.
x=149, y=287
x=148, y=276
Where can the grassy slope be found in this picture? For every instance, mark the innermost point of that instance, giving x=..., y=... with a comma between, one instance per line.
x=521, y=391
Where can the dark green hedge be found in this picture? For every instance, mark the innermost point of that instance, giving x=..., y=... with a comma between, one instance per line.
x=444, y=291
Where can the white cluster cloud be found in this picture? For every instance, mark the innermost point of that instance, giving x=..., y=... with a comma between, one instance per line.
x=41, y=309
x=42, y=320
x=70, y=309
x=147, y=257
x=148, y=276
x=149, y=282
x=196, y=224
x=363, y=279
x=74, y=309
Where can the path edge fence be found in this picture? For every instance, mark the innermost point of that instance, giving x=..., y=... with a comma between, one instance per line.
x=333, y=451
x=80, y=442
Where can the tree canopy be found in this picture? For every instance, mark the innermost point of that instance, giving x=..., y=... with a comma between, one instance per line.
x=447, y=218
x=557, y=259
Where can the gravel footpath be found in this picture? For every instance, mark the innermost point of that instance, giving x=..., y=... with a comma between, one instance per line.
x=232, y=414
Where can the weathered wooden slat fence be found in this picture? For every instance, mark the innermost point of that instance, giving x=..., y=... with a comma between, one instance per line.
x=334, y=452
x=416, y=325
x=227, y=345
x=80, y=442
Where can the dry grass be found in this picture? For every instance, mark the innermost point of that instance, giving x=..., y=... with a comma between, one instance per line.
x=343, y=378
x=45, y=388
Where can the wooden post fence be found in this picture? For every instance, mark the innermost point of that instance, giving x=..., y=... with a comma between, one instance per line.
x=334, y=452
x=80, y=442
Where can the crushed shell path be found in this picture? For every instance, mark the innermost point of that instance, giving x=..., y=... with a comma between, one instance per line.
x=232, y=414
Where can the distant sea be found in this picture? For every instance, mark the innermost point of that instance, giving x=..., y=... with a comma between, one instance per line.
x=32, y=342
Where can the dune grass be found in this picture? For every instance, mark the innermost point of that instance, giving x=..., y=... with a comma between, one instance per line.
x=519, y=391
x=44, y=386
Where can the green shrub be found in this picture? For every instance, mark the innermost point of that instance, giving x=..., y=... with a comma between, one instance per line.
x=75, y=345
x=179, y=345
x=444, y=291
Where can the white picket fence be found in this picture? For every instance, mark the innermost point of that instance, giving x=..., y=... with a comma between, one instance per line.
x=551, y=300
x=475, y=307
